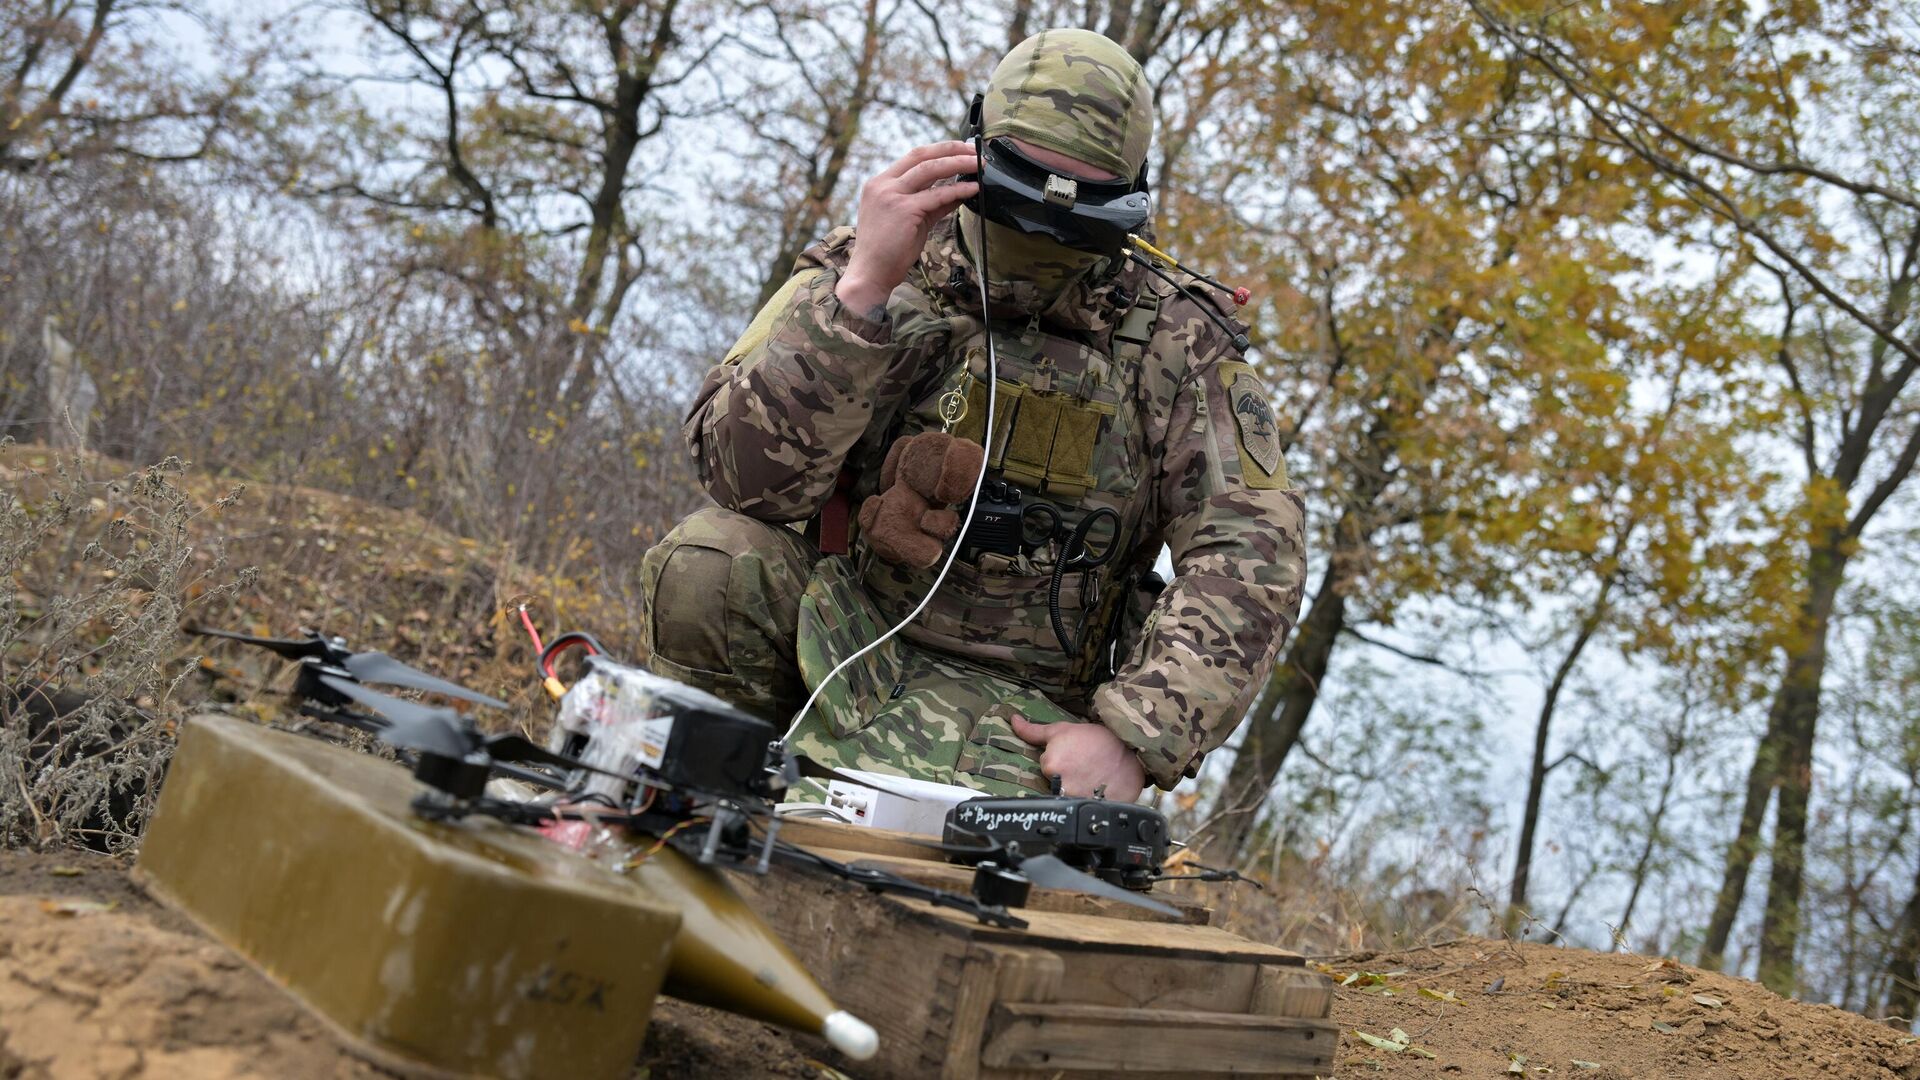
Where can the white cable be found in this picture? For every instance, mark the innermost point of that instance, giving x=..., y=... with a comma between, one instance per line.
x=993, y=379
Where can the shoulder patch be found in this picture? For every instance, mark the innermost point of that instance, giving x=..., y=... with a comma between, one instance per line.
x=1261, y=463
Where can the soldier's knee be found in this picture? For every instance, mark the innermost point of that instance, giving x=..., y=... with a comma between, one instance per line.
x=718, y=582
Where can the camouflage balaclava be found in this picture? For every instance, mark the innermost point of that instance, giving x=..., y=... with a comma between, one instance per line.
x=1077, y=93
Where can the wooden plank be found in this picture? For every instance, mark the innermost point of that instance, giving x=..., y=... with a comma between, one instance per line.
x=1104, y=1040
x=1027, y=974
x=813, y=833
x=942, y=875
x=1282, y=991
x=1066, y=931
x=1099, y=978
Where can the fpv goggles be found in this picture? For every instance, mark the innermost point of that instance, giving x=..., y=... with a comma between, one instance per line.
x=1021, y=193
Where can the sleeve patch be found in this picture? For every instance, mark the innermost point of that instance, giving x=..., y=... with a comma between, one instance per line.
x=1261, y=465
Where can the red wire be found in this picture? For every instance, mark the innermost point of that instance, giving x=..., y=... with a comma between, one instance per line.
x=527, y=621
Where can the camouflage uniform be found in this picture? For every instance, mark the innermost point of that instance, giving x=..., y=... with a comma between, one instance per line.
x=1114, y=391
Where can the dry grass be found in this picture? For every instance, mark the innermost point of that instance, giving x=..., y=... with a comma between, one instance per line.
x=100, y=564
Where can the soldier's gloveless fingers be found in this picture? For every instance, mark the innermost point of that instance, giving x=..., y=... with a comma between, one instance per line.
x=934, y=202
x=934, y=170
x=919, y=154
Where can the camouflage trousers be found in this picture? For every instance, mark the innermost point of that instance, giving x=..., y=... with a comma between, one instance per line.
x=752, y=613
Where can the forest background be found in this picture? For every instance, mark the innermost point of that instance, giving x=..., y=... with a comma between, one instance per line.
x=1591, y=326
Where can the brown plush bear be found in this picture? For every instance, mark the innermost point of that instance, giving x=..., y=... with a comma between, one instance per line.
x=909, y=522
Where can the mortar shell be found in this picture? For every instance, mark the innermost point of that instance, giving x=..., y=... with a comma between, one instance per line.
x=726, y=956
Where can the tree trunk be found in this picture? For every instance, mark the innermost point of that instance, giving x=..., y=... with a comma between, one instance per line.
x=1282, y=710
x=1640, y=865
x=837, y=135
x=1903, y=962
x=1800, y=697
x=1537, y=778
x=1746, y=841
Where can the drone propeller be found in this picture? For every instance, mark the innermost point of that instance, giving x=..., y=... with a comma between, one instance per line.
x=1050, y=872
x=411, y=725
x=801, y=765
x=378, y=667
x=292, y=648
x=373, y=667
x=443, y=732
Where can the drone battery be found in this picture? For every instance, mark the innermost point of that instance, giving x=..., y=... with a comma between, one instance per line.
x=469, y=948
x=717, y=752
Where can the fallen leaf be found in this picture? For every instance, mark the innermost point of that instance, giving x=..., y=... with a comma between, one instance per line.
x=1399, y=1043
x=1379, y=1043
x=66, y=871
x=1440, y=995
x=1578, y=1064
x=1708, y=1000
x=1665, y=1029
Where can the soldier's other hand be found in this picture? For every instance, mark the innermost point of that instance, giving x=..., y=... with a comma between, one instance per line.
x=897, y=210
x=1086, y=758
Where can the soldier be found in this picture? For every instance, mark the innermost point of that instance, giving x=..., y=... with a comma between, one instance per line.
x=1125, y=419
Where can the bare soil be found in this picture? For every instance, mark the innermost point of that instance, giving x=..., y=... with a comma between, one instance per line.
x=1484, y=1008
x=97, y=980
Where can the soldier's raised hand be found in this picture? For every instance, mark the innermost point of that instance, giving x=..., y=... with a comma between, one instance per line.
x=898, y=208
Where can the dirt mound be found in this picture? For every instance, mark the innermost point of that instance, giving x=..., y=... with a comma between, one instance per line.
x=1482, y=1008
x=87, y=992
x=97, y=980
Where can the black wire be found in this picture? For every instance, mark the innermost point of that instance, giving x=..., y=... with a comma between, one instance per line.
x=1073, y=556
x=1240, y=340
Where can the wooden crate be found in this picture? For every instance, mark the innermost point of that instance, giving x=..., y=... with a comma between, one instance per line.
x=1090, y=988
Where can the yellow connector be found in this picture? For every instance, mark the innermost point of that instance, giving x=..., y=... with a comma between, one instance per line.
x=1151, y=250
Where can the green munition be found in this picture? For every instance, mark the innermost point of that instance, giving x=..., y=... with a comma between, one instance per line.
x=472, y=947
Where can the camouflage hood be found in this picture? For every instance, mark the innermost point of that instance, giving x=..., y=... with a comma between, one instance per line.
x=1075, y=92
